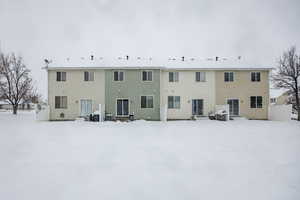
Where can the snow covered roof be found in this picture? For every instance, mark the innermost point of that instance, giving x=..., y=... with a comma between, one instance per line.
x=274, y=93
x=144, y=63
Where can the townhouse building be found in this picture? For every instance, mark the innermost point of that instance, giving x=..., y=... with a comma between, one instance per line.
x=177, y=90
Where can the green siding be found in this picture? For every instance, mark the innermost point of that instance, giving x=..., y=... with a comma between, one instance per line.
x=133, y=88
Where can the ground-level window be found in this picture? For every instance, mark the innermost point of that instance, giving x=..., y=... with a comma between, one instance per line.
x=88, y=76
x=146, y=101
x=147, y=75
x=255, y=76
x=197, y=105
x=273, y=100
x=61, y=101
x=174, y=102
x=200, y=77
x=61, y=76
x=118, y=76
x=256, y=101
x=228, y=76
x=173, y=76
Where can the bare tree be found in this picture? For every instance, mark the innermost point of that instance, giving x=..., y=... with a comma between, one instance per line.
x=287, y=75
x=15, y=81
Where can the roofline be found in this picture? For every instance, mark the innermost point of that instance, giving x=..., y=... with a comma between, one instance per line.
x=158, y=67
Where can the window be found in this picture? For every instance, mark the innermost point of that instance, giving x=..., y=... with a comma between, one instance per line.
x=255, y=76
x=61, y=102
x=118, y=76
x=256, y=101
x=173, y=76
x=228, y=77
x=88, y=76
x=174, y=102
x=200, y=77
x=146, y=101
x=61, y=76
x=147, y=75
x=273, y=100
x=197, y=106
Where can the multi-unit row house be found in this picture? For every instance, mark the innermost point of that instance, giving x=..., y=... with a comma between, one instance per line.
x=148, y=91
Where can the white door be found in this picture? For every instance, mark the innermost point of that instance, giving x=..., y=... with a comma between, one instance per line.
x=85, y=107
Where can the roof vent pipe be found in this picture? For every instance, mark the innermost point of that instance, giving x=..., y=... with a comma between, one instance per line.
x=217, y=58
x=182, y=58
x=127, y=57
x=92, y=57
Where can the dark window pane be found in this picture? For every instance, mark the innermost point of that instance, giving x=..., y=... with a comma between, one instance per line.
x=119, y=107
x=231, y=76
x=226, y=77
x=259, y=102
x=57, y=102
x=253, y=102
x=252, y=76
x=143, y=102
x=258, y=76
x=116, y=77
x=171, y=76
x=58, y=76
x=197, y=76
x=125, y=107
x=144, y=75
x=86, y=76
x=170, y=102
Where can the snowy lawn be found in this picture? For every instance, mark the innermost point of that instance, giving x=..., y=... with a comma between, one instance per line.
x=236, y=160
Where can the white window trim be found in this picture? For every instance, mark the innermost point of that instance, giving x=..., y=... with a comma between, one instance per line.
x=146, y=96
x=116, y=107
x=147, y=75
x=113, y=75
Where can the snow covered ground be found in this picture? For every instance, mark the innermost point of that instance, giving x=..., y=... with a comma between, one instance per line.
x=234, y=160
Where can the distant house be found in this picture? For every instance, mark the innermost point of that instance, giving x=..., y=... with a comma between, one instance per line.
x=177, y=89
x=5, y=105
x=279, y=96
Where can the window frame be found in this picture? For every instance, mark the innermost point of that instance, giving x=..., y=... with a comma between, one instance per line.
x=59, y=78
x=89, y=76
x=256, y=105
x=174, y=102
x=174, y=80
x=147, y=76
x=146, y=101
x=229, y=80
x=200, y=76
x=60, y=102
x=255, y=76
x=119, y=71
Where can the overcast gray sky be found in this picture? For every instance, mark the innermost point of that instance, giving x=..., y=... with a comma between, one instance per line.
x=258, y=30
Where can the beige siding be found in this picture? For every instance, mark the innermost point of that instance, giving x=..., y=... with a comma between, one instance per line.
x=75, y=88
x=187, y=88
x=242, y=88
